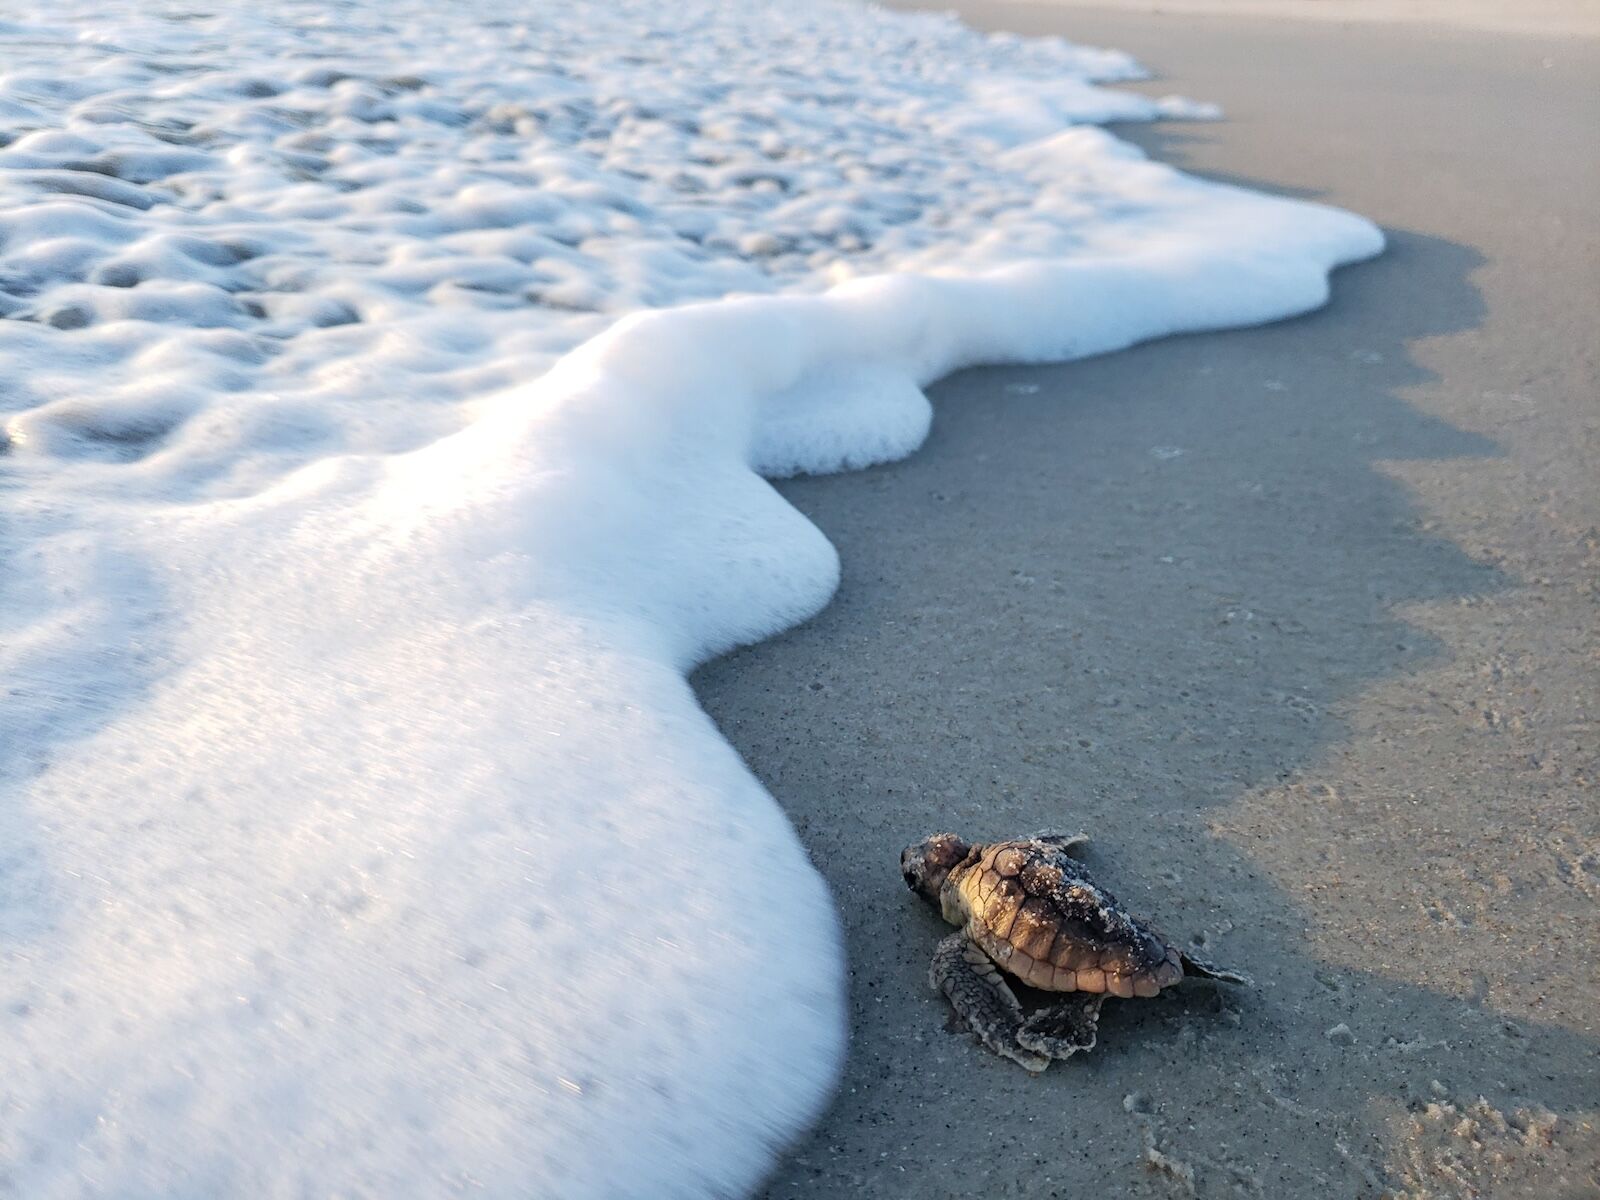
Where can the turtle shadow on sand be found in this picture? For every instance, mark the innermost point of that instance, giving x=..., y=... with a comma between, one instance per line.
x=1141, y=596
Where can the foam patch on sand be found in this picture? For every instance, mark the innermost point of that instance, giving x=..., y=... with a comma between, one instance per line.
x=1476, y=1151
x=388, y=391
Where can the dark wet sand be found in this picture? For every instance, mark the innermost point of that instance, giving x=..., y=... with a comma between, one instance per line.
x=1299, y=622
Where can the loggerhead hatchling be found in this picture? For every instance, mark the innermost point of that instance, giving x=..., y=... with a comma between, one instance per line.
x=1029, y=909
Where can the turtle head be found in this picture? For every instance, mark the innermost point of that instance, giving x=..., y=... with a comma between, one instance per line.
x=928, y=864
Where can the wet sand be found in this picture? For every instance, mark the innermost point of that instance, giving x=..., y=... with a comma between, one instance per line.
x=1300, y=623
x=1550, y=18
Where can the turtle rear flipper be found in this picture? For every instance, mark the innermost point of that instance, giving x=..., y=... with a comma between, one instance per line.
x=1209, y=970
x=1063, y=1029
x=971, y=982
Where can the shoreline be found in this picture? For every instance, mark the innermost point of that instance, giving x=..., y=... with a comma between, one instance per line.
x=1292, y=621
x=1532, y=18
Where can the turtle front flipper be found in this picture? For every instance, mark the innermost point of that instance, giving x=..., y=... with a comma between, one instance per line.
x=1067, y=843
x=1209, y=970
x=1063, y=1029
x=971, y=982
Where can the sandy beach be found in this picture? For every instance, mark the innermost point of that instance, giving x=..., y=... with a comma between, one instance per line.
x=1298, y=622
x=1550, y=18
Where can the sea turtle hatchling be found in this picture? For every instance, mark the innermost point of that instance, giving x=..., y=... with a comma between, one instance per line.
x=1027, y=908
